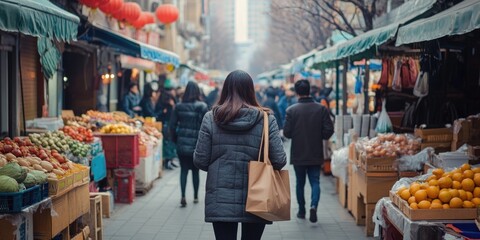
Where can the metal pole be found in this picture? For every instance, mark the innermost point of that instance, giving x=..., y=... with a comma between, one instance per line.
x=337, y=89
x=344, y=86
x=366, y=84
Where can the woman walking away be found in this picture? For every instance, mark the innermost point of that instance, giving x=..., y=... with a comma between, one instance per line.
x=229, y=138
x=184, y=127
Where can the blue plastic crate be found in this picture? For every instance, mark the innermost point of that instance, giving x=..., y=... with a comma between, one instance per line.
x=16, y=202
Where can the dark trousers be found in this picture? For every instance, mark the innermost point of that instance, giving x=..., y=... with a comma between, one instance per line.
x=313, y=173
x=228, y=230
x=186, y=163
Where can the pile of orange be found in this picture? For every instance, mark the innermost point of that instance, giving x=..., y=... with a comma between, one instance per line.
x=459, y=188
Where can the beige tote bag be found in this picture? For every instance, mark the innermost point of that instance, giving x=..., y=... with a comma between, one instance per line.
x=268, y=189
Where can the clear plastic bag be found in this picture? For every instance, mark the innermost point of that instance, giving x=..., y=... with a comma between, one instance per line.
x=415, y=162
x=421, y=86
x=384, y=124
x=340, y=163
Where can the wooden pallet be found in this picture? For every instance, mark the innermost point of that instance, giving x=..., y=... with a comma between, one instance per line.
x=143, y=189
x=96, y=222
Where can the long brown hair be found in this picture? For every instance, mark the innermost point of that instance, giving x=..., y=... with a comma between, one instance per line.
x=238, y=92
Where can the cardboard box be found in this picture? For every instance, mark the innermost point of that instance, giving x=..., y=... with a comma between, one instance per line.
x=475, y=121
x=342, y=192
x=143, y=173
x=358, y=210
x=378, y=164
x=456, y=144
x=434, y=135
x=474, y=151
x=57, y=187
x=369, y=224
x=351, y=187
x=438, y=146
x=17, y=226
x=373, y=187
x=72, y=201
x=82, y=199
x=82, y=235
x=107, y=199
x=47, y=226
x=461, y=130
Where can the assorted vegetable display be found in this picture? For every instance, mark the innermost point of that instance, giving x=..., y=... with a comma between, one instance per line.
x=61, y=143
x=20, y=157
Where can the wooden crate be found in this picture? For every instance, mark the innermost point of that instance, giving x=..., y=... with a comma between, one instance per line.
x=369, y=224
x=106, y=199
x=435, y=135
x=95, y=224
x=342, y=192
x=377, y=164
x=433, y=214
x=358, y=210
x=376, y=185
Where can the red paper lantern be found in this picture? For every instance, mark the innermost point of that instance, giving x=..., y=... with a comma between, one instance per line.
x=141, y=21
x=150, y=17
x=93, y=3
x=131, y=11
x=167, y=13
x=111, y=7
x=119, y=15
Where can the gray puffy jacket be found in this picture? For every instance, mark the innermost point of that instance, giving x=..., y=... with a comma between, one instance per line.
x=224, y=152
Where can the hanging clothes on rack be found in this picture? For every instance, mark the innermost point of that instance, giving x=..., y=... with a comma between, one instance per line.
x=397, y=76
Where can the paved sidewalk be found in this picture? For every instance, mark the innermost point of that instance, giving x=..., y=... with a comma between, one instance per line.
x=157, y=215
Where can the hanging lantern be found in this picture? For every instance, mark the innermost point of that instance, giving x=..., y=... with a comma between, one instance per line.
x=131, y=12
x=150, y=17
x=111, y=7
x=120, y=14
x=93, y=3
x=167, y=13
x=141, y=21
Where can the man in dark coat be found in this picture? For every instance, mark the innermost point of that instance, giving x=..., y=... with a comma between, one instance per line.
x=307, y=123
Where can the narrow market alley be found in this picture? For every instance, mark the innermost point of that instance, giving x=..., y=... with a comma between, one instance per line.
x=157, y=215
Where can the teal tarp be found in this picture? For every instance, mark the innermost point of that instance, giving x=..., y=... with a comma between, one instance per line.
x=49, y=56
x=459, y=19
x=365, y=43
x=126, y=45
x=39, y=18
x=405, y=12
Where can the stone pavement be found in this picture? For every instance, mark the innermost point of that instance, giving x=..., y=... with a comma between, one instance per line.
x=157, y=215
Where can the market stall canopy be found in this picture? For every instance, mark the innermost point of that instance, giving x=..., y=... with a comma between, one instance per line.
x=126, y=45
x=270, y=74
x=404, y=11
x=194, y=68
x=364, y=44
x=459, y=19
x=39, y=18
x=133, y=62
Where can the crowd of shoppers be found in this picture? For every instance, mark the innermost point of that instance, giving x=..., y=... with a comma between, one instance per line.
x=221, y=132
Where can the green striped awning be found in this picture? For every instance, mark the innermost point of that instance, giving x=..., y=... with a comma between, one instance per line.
x=459, y=19
x=39, y=18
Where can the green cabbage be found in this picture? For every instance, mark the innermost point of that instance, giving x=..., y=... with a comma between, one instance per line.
x=14, y=171
x=8, y=184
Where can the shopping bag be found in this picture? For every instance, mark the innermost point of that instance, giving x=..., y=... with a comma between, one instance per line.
x=268, y=194
x=421, y=86
x=384, y=124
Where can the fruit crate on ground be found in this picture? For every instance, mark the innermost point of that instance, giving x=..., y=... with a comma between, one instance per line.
x=17, y=201
x=121, y=150
x=124, y=185
x=96, y=222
